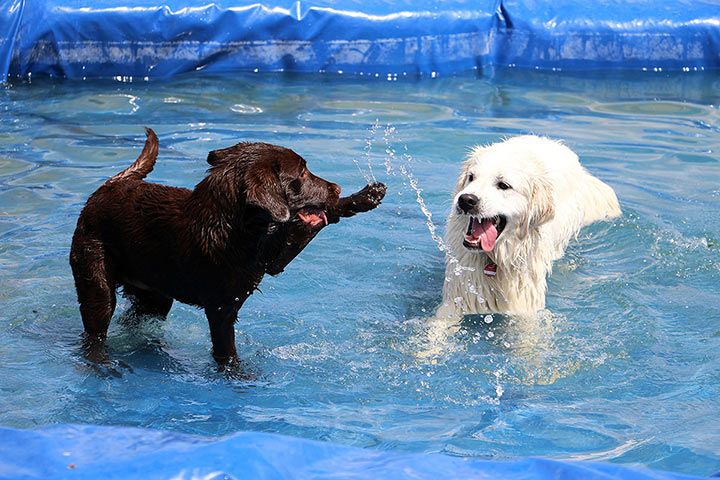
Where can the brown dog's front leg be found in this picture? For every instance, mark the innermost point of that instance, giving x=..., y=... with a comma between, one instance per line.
x=222, y=333
x=363, y=201
x=291, y=238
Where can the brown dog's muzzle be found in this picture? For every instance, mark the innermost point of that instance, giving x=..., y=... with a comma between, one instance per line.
x=314, y=214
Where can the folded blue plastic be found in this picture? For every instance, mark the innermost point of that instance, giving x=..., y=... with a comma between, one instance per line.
x=88, y=452
x=154, y=38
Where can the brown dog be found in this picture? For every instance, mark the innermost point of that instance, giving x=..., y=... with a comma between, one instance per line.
x=256, y=210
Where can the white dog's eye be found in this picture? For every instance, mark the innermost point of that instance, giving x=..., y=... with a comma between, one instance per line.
x=503, y=186
x=470, y=177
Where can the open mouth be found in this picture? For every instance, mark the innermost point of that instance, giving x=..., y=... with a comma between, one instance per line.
x=482, y=233
x=313, y=216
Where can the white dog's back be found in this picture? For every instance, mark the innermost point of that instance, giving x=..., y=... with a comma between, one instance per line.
x=543, y=196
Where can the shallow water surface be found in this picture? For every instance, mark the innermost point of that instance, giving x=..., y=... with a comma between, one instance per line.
x=623, y=367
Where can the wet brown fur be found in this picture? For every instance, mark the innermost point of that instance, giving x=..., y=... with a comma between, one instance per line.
x=208, y=247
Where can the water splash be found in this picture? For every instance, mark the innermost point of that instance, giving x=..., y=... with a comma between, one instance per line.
x=398, y=163
x=400, y=166
x=368, y=146
x=389, y=133
x=367, y=153
x=499, y=390
x=404, y=162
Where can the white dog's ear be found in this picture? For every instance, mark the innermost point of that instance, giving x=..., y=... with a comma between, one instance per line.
x=469, y=162
x=541, y=207
x=460, y=183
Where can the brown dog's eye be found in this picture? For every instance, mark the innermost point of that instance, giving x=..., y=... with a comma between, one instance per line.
x=503, y=186
x=295, y=186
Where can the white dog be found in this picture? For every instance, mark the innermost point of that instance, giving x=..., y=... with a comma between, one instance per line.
x=517, y=205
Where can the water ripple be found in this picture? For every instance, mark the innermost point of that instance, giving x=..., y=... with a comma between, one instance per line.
x=622, y=367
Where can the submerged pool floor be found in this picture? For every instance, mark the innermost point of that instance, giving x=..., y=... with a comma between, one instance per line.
x=623, y=367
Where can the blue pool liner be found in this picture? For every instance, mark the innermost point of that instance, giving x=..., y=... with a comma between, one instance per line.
x=151, y=38
x=91, y=452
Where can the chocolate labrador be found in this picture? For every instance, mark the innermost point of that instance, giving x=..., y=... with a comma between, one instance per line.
x=254, y=212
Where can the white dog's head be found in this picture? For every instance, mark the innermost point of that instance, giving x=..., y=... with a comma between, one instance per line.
x=503, y=190
x=516, y=206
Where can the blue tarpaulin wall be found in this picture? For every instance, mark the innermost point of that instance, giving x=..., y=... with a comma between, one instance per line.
x=156, y=38
x=151, y=38
x=92, y=453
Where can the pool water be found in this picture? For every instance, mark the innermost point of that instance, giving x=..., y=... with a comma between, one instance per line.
x=623, y=367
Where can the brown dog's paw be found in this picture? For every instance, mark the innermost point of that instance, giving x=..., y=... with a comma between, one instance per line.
x=359, y=202
x=235, y=369
x=369, y=197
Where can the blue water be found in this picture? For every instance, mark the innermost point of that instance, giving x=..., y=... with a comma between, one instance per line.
x=624, y=366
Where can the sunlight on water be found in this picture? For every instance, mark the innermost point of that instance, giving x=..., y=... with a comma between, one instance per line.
x=622, y=367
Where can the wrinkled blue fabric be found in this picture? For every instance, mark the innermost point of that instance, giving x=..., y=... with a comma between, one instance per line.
x=149, y=38
x=91, y=452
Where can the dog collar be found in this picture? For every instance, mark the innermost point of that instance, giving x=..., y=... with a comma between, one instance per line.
x=490, y=269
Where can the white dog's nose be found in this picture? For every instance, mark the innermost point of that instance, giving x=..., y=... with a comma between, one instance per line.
x=467, y=202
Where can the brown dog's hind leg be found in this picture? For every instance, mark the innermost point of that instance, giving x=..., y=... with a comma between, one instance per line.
x=146, y=303
x=95, y=285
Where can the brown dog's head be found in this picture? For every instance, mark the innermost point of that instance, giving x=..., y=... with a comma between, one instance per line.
x=276, y=180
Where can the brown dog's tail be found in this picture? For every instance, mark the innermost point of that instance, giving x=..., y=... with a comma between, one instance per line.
x=144, y=163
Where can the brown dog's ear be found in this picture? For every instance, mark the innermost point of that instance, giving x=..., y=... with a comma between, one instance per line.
x=235, y=153
x=264, y=189
x=541, y=207
x=215, y=157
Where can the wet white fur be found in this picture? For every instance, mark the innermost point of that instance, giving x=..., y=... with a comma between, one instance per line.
x=551, y=199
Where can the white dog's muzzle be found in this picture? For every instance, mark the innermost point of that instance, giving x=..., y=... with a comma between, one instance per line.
x=482, y=233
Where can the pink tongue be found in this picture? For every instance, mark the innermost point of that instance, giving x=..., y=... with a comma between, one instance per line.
x=314, y=217
x=487, y=233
